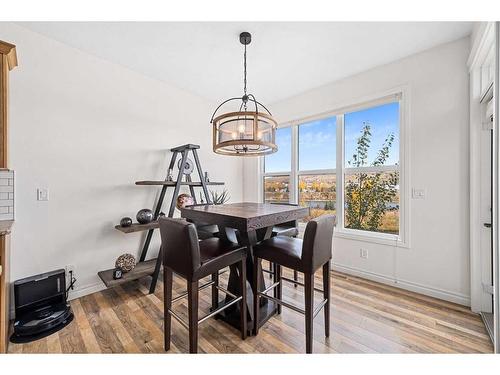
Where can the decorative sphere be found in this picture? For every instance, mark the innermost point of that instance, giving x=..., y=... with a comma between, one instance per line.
x=125, y=222
x=125, y=262
x=184, y=200
x=144, y=216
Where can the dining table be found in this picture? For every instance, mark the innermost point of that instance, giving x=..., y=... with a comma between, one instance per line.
x=248, y=224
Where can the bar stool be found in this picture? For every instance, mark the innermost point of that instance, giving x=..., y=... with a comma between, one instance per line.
x=194, y=260
x=306, y=256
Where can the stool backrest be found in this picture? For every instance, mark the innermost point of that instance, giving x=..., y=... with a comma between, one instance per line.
x=179, y=241
x=317, y=242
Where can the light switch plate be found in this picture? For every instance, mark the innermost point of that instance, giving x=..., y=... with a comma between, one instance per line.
x=42, y=194
x=363, y=253
x=418, y=193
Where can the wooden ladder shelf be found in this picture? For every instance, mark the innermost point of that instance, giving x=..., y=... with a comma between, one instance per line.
x=152, y=267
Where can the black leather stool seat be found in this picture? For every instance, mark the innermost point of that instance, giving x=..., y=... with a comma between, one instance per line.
x=216, y=254
x=286, y=251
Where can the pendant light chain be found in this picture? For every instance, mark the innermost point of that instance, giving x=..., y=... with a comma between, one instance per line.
x=245, y=76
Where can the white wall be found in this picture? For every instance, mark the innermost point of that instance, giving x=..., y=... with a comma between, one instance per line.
x=437, y=261
x=88, y=129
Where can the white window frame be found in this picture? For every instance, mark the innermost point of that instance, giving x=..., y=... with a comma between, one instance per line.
x=400, y=94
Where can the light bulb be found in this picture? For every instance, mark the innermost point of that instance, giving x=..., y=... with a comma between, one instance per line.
x=234, y=135
x=241, y=128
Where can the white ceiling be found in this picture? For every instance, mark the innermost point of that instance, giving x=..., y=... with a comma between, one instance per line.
x=284, y=59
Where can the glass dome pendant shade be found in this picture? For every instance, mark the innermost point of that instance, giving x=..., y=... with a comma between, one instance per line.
x=249, y=129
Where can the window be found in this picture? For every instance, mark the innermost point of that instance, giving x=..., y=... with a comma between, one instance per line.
x=359, y=182
x=318, y=192
x=317, y=144
x=371, y=175
x=317, y=181
x=277, y=189
x=280, y=160
x=278, y=168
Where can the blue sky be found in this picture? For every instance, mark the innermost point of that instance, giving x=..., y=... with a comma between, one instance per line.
x=384, y=120
x=317, y=139
x=280, y=160
x=317, y=144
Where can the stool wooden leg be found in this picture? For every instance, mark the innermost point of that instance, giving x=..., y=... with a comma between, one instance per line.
x=243, y=303
x=256, y=287
x=215, y=291
x=278, y=291
x=192, y=287
x=309, y=300
x=326, y=295
x=167, y=304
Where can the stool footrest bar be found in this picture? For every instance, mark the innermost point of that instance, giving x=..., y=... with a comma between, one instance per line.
x=299, y=283
x=223, y=290
x=215, y=312
x=179, y=319
x=283, y=303
x=270, y=287
x=320, y=306
x=181, y=296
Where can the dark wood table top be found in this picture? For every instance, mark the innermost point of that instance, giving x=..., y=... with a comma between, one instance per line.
x=245, y=216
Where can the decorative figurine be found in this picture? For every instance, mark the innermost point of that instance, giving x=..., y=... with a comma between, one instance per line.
x=144, y=216
x=170, y=176
x=206, y=177
x=201, y=198
x=117, y=273
x=125, y=262
x=184, y=200
x=125, y=222
x=188, y=167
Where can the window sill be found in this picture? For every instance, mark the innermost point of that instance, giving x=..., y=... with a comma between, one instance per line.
x=381, y=239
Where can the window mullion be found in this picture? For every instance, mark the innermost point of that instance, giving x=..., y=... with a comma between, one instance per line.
x=340, y=171
x=294, y=176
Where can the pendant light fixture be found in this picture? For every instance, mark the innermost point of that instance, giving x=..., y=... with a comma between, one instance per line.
x=247, y=130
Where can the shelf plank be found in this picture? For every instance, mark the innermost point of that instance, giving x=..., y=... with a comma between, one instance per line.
x=142, y=269
x=172, y=183
x=136, y=227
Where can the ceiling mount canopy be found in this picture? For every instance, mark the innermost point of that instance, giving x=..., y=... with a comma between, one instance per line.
x=249, y=128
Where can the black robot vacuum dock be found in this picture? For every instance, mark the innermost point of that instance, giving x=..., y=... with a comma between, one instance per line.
x=41, y=306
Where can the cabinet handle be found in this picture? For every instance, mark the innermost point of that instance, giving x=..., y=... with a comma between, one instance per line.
x=487, y=225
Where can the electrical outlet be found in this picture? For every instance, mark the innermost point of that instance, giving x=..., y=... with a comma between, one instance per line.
x=363, y=253
x=42, y=194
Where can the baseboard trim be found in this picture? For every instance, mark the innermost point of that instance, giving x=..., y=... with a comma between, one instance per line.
x=427, y=290
x=83, y=291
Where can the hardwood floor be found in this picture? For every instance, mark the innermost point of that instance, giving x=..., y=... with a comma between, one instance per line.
x=366, y=317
